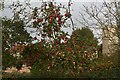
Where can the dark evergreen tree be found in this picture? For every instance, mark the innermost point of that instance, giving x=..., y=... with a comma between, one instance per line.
x=85, y=38
x=12, y=32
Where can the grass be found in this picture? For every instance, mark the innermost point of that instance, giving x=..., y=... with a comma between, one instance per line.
x=100, y=68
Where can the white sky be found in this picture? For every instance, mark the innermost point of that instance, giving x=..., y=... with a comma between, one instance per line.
x=62, y=0
x=76, y=6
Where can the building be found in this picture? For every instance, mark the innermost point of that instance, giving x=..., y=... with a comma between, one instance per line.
x=109, y=41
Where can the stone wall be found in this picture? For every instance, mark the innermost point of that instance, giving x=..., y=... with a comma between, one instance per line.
x=109, y=41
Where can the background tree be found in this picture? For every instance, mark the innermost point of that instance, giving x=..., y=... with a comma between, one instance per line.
x=83, y=42
x=85, y=36
x=13, y=33
x=103, y=18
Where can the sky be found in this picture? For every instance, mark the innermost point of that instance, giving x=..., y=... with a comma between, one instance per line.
x=77, y=7
x=62, y=0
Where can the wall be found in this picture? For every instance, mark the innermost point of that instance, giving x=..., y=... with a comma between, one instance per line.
x=109, y=40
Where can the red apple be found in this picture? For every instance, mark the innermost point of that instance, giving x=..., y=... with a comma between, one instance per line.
x=66, y=15
x=57, y=42
x=56, y=10
x=53, y=11
x=70, y=49
x=63, y=37
x=43, y=34
x=59, y=22
x=50, y=20
x=51, y=15
x=35, y=38
x=39, y=20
